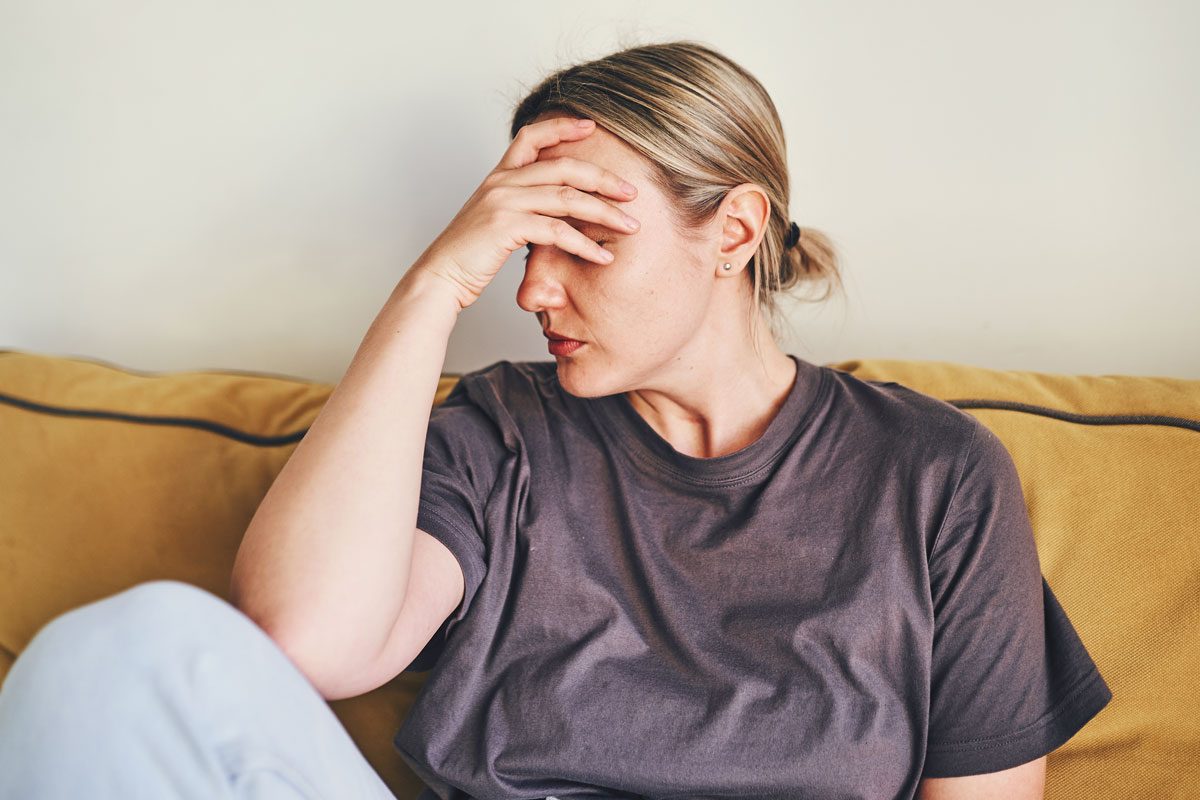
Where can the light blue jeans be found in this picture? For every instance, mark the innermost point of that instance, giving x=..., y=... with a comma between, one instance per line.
x=163, y=691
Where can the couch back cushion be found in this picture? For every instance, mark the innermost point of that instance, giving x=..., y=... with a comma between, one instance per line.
x=112, y=476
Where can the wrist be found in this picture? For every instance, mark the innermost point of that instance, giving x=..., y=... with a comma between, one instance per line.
x=429, y=287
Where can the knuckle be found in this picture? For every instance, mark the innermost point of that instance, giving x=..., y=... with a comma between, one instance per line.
x=498, y=192
x=559, y=228
x=498, y=199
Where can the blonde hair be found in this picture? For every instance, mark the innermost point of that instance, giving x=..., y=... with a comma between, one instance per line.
x=706, y=125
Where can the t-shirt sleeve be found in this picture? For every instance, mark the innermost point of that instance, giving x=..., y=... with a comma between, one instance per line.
x=1011, y=679
x=463, y=452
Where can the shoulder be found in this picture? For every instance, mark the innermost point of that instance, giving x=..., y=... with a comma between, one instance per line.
x=509, y=384
x=935, y=438
x=900, y=409
x=501, y=397
x=903, y=418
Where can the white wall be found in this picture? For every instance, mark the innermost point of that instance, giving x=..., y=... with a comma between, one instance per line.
x=239, y=185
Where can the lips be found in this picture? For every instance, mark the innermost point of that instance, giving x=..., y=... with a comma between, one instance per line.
x=554, y=337
x=564, y=347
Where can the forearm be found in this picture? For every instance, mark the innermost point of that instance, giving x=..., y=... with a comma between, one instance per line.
x=324, y=563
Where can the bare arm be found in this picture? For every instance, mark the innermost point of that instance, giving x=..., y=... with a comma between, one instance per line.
x=1024, y=782
x=324, y=564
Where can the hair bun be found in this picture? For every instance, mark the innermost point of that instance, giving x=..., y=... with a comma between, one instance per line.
x=793, y=236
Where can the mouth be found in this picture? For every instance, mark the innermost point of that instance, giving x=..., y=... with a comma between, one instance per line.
x=554, y=337
x=563, y=347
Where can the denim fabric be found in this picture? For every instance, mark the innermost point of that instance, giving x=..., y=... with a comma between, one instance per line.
x=165, y=690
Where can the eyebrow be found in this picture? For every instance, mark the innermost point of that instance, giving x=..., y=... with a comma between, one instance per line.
x=591, y=224
x=600, y=225
x=586, y=224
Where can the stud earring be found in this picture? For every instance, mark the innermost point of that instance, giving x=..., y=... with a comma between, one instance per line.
x=729, y=266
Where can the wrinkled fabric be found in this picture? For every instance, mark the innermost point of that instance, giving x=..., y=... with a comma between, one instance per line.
x=165, y=690
x=849, y=603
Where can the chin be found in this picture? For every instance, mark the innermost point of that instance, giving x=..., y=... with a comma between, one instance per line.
x=577, y=380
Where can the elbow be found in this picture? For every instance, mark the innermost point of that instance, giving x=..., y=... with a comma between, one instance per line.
x=309, y=666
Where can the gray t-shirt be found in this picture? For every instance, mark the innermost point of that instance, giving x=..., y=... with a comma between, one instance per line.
x=849, y=603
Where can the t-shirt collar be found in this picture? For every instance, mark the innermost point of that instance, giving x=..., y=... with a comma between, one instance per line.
x=654, y=451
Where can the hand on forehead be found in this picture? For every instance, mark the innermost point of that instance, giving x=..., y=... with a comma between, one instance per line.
x=601, y=148
x=606, y=151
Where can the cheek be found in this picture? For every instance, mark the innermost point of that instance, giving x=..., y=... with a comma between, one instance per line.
x=644, y=290
x=654, y=299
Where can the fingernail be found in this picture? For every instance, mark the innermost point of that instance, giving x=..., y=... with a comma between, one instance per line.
x=628, y=187
x=583, y=123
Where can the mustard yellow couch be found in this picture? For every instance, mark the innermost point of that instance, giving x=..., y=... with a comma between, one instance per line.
x=111, y=476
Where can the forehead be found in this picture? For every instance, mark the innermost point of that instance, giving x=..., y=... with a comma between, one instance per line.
x=600, y=148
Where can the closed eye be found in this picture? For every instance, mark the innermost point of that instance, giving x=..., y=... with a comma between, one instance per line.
x=529, y=249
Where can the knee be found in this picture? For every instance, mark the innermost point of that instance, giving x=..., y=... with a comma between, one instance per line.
x=151, y=620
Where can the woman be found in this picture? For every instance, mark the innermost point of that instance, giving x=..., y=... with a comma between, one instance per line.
x=674, y=561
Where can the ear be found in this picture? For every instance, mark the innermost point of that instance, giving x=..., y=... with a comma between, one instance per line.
x=744, y=213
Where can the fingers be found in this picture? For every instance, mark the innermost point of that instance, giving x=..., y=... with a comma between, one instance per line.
x=585, y=175
x=563, y=187
x=551, y=230
x=535, y=136
x=567, y=201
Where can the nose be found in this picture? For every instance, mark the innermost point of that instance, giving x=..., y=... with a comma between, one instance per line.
x=543, y=287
